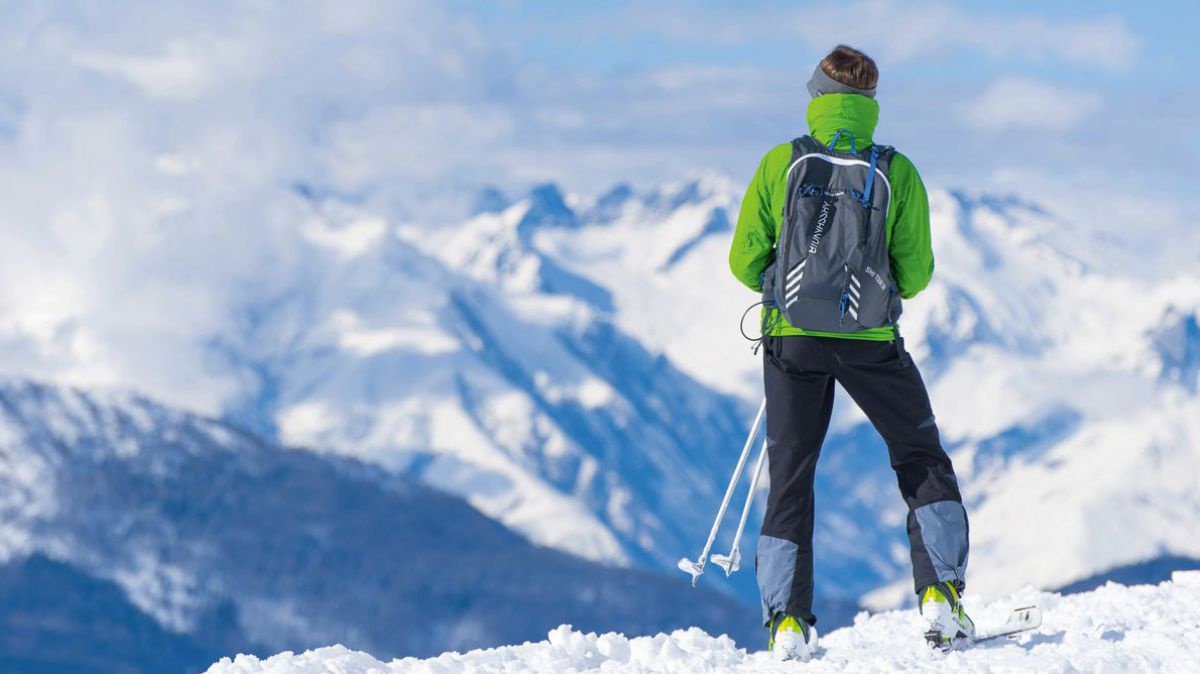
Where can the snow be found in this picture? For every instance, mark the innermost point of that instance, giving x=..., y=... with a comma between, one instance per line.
x=349, y=240
x=421, y=336
x=1112, y=629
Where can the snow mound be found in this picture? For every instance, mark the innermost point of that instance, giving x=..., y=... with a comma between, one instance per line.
x=1115, y=628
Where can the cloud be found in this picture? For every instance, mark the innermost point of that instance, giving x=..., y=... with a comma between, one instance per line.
x=175, y=74
x=1018, y=103
x=149, y=152
x=905, y=32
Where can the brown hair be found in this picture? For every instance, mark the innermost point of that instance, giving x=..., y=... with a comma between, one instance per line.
x=851, y=67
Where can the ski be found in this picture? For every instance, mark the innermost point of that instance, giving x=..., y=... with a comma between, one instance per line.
x=1019, y=621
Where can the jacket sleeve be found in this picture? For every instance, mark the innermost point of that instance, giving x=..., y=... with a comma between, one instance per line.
x=753, y=245
x=911, y=245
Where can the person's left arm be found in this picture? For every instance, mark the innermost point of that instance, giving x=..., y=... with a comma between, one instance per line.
x=753, y=247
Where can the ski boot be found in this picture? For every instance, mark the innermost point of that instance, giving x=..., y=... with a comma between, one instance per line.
x=948, y=625
x=791, y=638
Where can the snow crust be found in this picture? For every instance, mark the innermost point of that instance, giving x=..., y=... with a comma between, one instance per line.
x=1112, y=629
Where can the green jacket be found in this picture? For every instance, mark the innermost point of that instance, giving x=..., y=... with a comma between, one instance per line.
x=908, y=234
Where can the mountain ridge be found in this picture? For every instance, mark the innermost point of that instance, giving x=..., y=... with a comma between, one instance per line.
x=219, y=541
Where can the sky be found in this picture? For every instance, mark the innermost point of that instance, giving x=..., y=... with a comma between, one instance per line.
x=384, y=98
x=973, y=91
x=151, y=151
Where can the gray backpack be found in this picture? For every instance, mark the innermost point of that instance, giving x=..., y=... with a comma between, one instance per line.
x=832, y=271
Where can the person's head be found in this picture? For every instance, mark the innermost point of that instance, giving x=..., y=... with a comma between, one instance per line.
x=845, y=70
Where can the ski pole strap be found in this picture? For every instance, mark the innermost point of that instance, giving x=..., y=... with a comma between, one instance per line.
x=768, y=323
x=768, y=326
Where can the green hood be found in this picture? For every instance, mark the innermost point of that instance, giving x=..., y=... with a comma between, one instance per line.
x=832, y=112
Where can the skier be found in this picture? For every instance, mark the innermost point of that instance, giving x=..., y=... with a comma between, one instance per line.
x=834, y=231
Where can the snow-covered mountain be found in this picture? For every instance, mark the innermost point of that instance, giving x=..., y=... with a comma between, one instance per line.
x=1149, y=629
x=572, y=365
x=1062, y=362
x=469, y=359
x=140, y=538
x=1062, y=367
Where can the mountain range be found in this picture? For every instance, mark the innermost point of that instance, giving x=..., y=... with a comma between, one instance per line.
x=555, y=388
x=572, y=365
x=141, y=538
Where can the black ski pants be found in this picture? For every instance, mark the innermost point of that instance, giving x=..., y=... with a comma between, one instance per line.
x=799, y=374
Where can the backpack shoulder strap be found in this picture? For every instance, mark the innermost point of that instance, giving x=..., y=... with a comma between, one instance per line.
x=805, y=145
x=883, y=160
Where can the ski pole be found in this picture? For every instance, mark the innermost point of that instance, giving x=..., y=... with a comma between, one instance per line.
x=697, y=567
x=733, y=561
